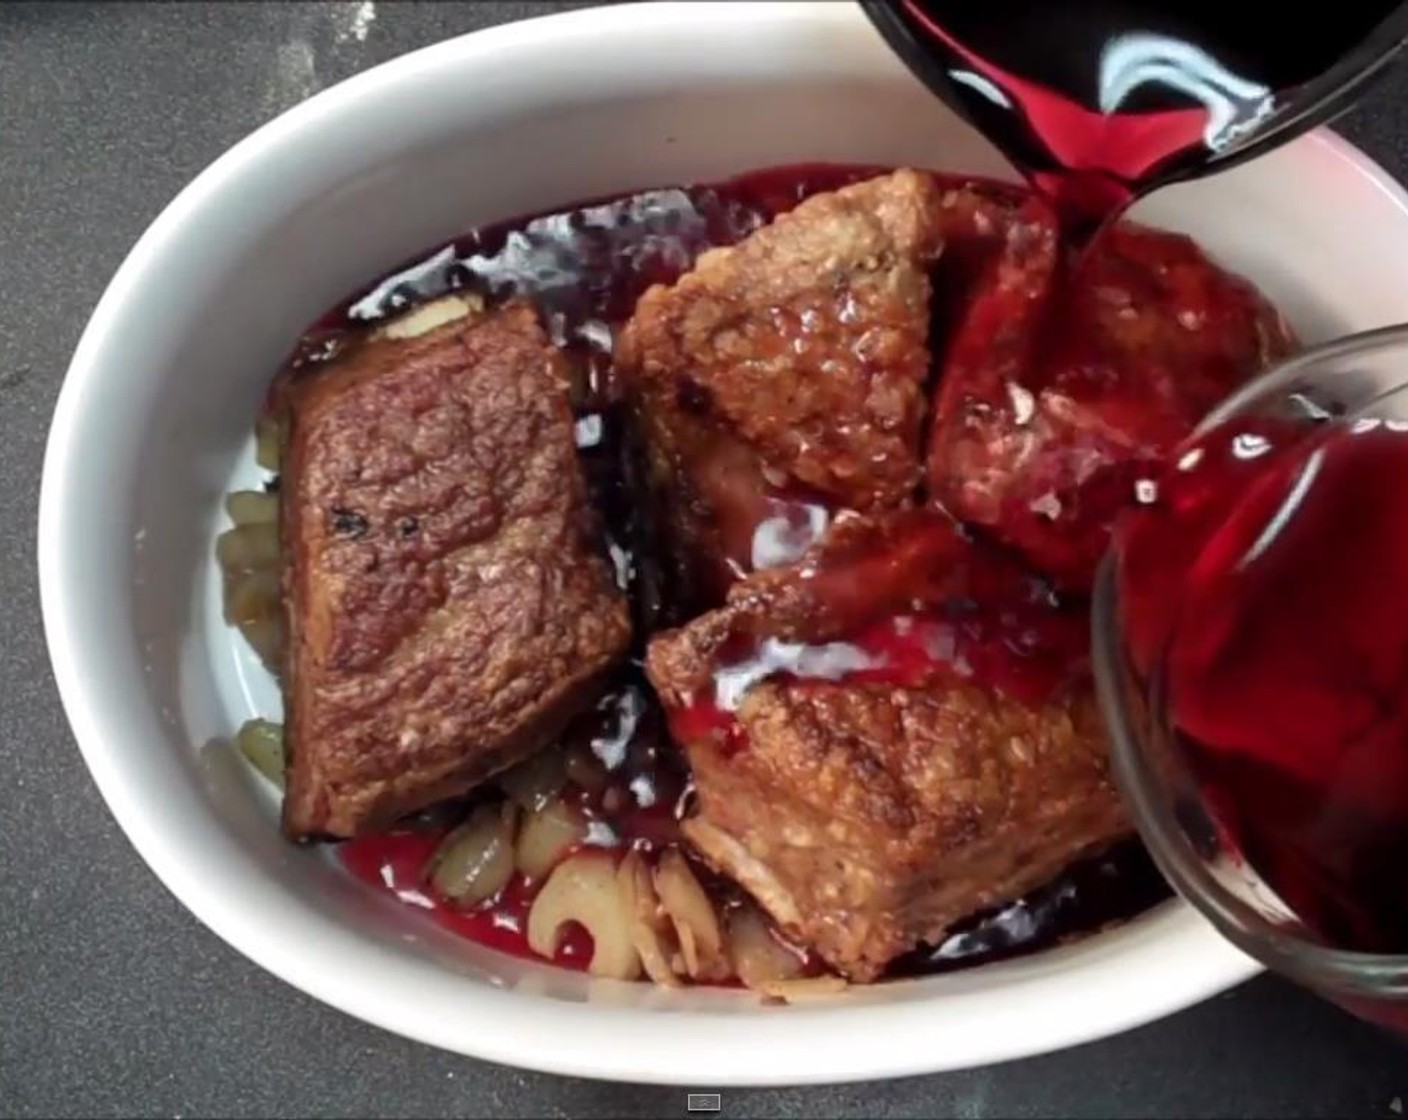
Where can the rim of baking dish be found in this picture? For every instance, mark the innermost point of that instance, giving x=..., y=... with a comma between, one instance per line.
x=1160, y=963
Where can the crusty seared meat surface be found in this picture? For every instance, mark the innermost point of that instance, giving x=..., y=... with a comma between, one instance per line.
x=447, y=608
x=868, y=819
x=1060, y=390
x=869, y=815
x=796, y=359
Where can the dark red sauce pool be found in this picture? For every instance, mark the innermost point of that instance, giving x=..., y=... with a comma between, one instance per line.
x=584, y=268
x=396, y=863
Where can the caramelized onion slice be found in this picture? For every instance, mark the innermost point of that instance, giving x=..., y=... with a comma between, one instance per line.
x=758, y=956
x=268, y=442
x=428, y=316
x=650, y=929
x=803, y=988
x=266, y=637
x=475, y=861
x=248, y=548
x=252, y=507
x=547, y=837
x=262, y=742
x=582, y=889
x=536, y=780
x=693, y=916
x=251, y=596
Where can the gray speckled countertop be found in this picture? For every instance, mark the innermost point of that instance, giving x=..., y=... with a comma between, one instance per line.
x=113, y=1000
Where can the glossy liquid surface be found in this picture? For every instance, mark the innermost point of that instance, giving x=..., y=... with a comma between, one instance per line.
x=585, y=267
x=924, y=604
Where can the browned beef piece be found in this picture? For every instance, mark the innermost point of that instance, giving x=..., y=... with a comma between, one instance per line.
x=869, y=814
x=447, y=607
x=867, y=819
x=795, y=360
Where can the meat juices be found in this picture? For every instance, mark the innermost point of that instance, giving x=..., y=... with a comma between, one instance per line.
x=447, y=606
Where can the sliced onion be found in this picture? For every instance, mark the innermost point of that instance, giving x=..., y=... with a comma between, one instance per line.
x=252, y=596
x=536, y=780
x=248, y=547
x=693, y=916
x=475, y=861
x=582, y=889
x=266, y=637
x=268, y=442
x=758, y=956
x=424, y=319
x=650, y=929
x=262, y=743
x=803, y=988
x=252, y=507
x=547, y=837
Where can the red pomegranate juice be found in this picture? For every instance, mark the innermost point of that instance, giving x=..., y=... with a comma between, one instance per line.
x=1268, y=583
